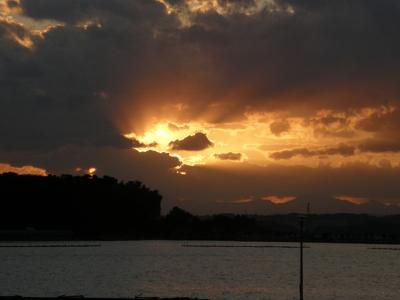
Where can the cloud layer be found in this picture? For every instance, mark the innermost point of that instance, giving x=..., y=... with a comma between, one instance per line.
x=302, y=82
x=108, y=60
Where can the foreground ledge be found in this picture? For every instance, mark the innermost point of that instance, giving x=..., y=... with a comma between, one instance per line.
x=93, y=298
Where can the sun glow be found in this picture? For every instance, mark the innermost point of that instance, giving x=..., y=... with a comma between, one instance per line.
x=232, y=143
x=264, y=139
x=92, y=171
x=159, y=137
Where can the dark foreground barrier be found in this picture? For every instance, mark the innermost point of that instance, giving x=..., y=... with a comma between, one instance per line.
x=88, y=298
x=50, y=246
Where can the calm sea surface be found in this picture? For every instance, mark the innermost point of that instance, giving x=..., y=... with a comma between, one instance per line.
x=165, y=268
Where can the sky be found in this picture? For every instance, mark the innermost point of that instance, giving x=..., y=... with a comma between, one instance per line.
x=224, y=106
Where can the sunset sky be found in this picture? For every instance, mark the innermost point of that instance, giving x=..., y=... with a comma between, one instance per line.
x=244, y=106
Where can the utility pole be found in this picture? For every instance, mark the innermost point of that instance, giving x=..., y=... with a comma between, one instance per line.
x=301, y=257
x=302, y=218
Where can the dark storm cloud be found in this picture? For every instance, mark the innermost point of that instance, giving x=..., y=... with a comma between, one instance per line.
x=316, y=55
x=342, y=150
x=85, y=86
x=63, y=90
x=271, y=58
x=197, y=142
x=228, y=156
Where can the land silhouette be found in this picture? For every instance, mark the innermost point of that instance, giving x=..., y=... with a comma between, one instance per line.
x=81, y=205
x=91, y=207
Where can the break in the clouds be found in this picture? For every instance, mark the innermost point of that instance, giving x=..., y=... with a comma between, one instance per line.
x=187, y=82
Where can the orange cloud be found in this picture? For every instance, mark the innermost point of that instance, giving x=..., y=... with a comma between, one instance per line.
x=278, y=199
x=30, y=170
x=243, y=200
x=352, y=199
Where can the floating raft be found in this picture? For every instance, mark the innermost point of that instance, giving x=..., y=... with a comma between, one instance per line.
x=242, y=246
x=389, y=249
x=50, y=246
x=89, y=298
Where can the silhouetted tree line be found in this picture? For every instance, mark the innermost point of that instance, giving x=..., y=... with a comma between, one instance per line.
x=90, y=207
x=85, y=205
x=179, y=224
x=354, y=228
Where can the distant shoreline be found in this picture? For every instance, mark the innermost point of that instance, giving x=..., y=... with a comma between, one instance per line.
x=90, y=208
x=13, y=243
